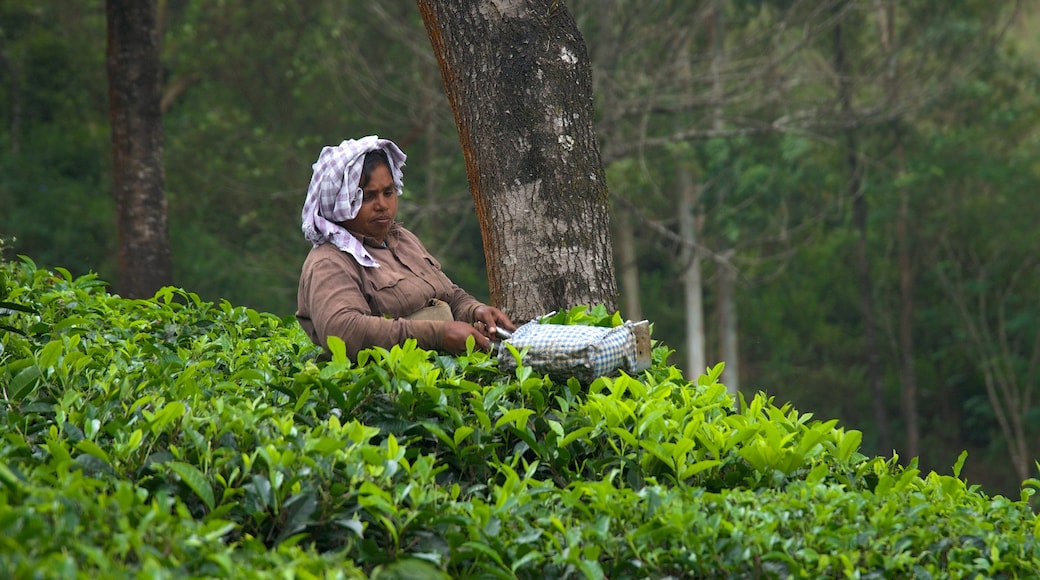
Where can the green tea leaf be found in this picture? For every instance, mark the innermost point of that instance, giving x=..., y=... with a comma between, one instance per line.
x=338, y=349
x=516, y=416
x=49, y=354
x=10, y=477
x=171, y=412
x=194, y=478
x=89, y=447
x=72, y=322
x=408, y=569
x=574, y=436
x=695, y=468
x=461, y=434
x=960, y=463
x=7, y=328
x=24, y=382
x=248, y=375
x=850, y=442
x=16, y=306
x=439, y=433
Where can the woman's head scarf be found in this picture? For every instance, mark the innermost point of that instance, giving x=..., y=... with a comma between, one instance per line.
x=335, y=196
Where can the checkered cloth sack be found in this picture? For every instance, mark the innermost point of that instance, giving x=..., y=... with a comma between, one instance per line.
x=584, y=352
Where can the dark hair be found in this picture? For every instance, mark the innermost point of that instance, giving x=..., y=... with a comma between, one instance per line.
x=373, y=159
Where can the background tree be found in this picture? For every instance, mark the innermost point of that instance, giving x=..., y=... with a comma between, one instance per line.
x=886, y=23
x=518, y=78
x=677, y=82
x=845, y=88
x=990, y=279
x=56, y=146
x=779, y=86
x=137, y=140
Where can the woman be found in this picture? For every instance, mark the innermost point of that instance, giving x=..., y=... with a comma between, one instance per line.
x=368, y=280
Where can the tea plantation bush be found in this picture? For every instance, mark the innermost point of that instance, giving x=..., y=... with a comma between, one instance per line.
x=174, y=437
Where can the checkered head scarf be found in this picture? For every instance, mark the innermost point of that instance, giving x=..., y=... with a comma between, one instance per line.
x=335, y=196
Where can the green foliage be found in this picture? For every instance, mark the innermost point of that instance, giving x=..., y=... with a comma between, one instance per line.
x=55, y=143
x=178, y=437
x=254, y=90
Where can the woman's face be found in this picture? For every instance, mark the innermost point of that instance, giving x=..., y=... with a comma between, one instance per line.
x=378, y=207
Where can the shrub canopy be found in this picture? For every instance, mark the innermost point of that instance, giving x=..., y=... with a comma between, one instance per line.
x=175, y=437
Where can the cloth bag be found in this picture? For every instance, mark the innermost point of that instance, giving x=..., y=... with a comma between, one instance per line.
x=583, y=352
x=434, y=310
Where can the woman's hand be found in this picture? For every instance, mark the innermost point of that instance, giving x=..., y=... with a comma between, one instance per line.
x=488, y=318
x=456, y=333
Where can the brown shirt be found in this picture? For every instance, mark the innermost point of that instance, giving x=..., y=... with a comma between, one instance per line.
x=365, y=306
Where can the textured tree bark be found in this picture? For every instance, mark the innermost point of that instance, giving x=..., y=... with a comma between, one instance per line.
x=518, y=77
x=134, y=92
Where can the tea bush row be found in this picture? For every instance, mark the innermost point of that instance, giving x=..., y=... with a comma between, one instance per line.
x=174, y=437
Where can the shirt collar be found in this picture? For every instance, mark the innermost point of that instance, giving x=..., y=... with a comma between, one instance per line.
x=391, y=237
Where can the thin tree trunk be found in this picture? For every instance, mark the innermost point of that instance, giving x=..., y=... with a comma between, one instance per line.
x=623, y=222
x=728, y=331
x=866, y=284
x=628, y=267
x=1008, y=398
x=907, y=376
x=134, y=91
x=1003, y=390
x=907, y=379
x=726, y=300
x=519, y=81
x=690, y=258
x=860, y=209
x=690, y=254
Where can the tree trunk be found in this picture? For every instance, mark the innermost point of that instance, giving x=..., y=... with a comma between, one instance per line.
x=628, y=267
x=518, y=77
x=907, y=378
x=134, y=92
x=726, y=300
x=727, y=313
x=623, y=221
x=859, y=210
x=693, y=288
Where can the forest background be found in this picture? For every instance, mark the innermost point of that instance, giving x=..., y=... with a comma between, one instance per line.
x=838, y=198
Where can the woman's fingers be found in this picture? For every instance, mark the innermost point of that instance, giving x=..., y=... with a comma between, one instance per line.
x=456, y=333
x=493, y=317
